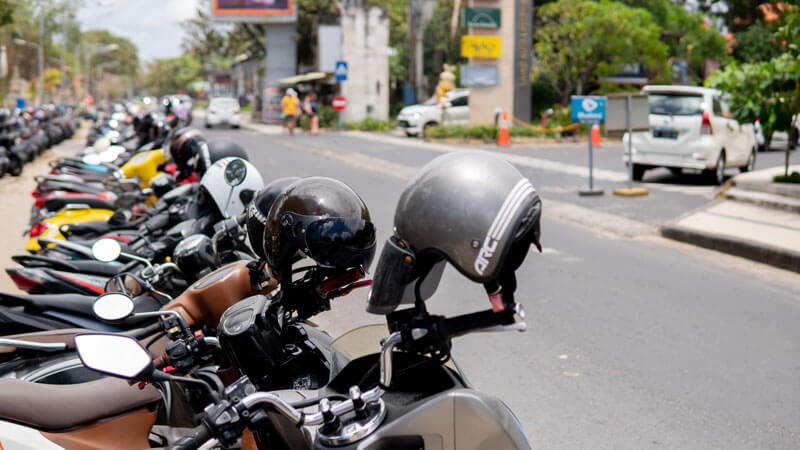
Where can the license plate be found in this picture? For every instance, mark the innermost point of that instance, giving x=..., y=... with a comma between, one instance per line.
x=665, y=134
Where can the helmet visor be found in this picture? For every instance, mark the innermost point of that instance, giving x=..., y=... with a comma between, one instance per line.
x=340, y=242
x=397, y=275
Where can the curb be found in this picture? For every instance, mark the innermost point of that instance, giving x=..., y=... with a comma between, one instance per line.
x=763, y=253
x=765, y=200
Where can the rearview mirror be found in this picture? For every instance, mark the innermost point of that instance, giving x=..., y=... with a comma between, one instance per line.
x=106, y=250
x=115, y=355
x=125, y=283
x=113, y=307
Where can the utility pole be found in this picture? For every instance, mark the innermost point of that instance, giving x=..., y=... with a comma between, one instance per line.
x=63, y=56
x=76, y=70
x=40, y=87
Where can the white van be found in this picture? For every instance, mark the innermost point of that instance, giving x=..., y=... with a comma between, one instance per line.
x=692, y=128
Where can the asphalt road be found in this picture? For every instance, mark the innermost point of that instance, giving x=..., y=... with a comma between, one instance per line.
x=631, y=342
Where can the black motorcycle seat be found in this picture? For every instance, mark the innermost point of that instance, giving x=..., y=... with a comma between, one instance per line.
x=87, y=266
x=60, y=407
x=59, y=202
x=93, y=228
x=73, y=303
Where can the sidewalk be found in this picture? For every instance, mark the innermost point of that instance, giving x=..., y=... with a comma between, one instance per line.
x=757, y=219
x=263, y=128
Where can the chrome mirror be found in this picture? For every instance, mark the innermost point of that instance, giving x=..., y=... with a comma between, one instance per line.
x=114, y=354
x=113, y=307
x=106, y=250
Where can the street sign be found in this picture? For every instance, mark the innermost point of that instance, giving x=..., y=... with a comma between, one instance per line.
x=341, y=71
x=481, y=18
x=624, y=116
x=339, y=103
x=20, y=103
x=481, y=46
x=588, y=109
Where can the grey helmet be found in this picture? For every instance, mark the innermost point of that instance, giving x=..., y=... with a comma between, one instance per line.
x=469, y=208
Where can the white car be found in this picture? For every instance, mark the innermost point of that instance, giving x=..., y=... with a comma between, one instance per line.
x=415, y=119
x=692, y=128
x=223, y=111
x=778, y=138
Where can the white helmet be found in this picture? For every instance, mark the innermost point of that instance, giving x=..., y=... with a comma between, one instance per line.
x=227, y=180
x=101, y=144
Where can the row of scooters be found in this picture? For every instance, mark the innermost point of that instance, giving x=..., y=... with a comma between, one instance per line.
x=27, y=133
x=169, y=292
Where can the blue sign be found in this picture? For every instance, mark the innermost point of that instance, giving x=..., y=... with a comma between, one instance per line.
x=20, y=103
x=341, y=71
x=588, y=109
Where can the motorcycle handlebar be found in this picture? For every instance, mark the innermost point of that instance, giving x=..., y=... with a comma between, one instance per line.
x=197, y=437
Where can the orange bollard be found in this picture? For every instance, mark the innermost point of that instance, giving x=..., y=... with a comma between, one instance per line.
x=595, y=135
x=502, y=137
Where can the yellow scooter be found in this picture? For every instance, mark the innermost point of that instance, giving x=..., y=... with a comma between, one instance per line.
x=144, y=166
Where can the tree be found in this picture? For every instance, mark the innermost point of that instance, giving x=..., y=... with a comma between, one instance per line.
x=581, y=41
x=768, y=90
x=687, y=35
x=171, y=75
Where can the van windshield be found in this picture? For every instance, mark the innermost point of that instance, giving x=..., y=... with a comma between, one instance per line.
x=676, y=104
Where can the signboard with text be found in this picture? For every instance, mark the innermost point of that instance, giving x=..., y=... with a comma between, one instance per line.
x=481, y=47
x=263, y=11
x=481, y=18
x=588, y=109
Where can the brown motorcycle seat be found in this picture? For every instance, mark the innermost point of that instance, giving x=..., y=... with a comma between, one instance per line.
x=60, y=407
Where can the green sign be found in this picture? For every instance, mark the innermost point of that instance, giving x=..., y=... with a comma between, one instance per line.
x=481, y=18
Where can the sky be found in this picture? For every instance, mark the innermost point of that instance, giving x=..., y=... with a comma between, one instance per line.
x=153, y=25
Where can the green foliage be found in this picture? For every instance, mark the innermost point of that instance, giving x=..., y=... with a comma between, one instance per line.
x=687, y=35
x=125, y=57
x=328, y=117
x=7, y=11
x=766, y=90
x=369, y=124
x=756, y=43
x=581, y=41
x=480, y=132
x=793, y=177
x=168, y=76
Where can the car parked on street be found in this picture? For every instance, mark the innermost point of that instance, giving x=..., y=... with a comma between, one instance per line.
x=223, y=111
x=779, y=139
x=692, y=128
x=415, y=119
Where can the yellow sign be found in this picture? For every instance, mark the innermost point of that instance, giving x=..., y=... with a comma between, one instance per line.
x=480, y=46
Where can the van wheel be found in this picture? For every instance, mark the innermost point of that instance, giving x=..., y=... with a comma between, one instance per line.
x=751, y=163
x=426, y=128
x=638, y=172
x=717, y=174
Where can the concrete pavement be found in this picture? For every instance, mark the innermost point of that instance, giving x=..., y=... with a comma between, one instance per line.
x=758, y=220
x=631, y=342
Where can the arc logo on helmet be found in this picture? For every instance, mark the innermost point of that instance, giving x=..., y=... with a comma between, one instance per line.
x=508, y=211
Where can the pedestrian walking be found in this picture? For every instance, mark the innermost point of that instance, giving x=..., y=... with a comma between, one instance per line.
x=290, y=106
x=310, y=109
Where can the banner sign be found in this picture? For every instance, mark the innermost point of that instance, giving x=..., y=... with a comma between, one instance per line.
x=265, y=11
x=479, y=76
x=481, y=46
x=588, y=109
x=481, y=18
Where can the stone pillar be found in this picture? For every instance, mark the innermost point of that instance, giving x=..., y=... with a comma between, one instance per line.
x=365, y=43
x=512, y=93
x=281, y=62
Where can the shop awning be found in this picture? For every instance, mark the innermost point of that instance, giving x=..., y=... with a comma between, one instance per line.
x=306, y=77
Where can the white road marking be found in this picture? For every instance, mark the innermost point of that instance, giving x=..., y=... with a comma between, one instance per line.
x=540, y=164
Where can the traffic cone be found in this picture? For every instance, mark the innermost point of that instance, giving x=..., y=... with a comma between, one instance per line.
x=595, y=135
x=502, y=137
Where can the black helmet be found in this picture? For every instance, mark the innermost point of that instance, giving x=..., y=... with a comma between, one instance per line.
x=222, y=147
x=323, y=219
x=161, y=184
x=186, y=145
x=195, y=256
x=258, y=211
x=472, y=209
